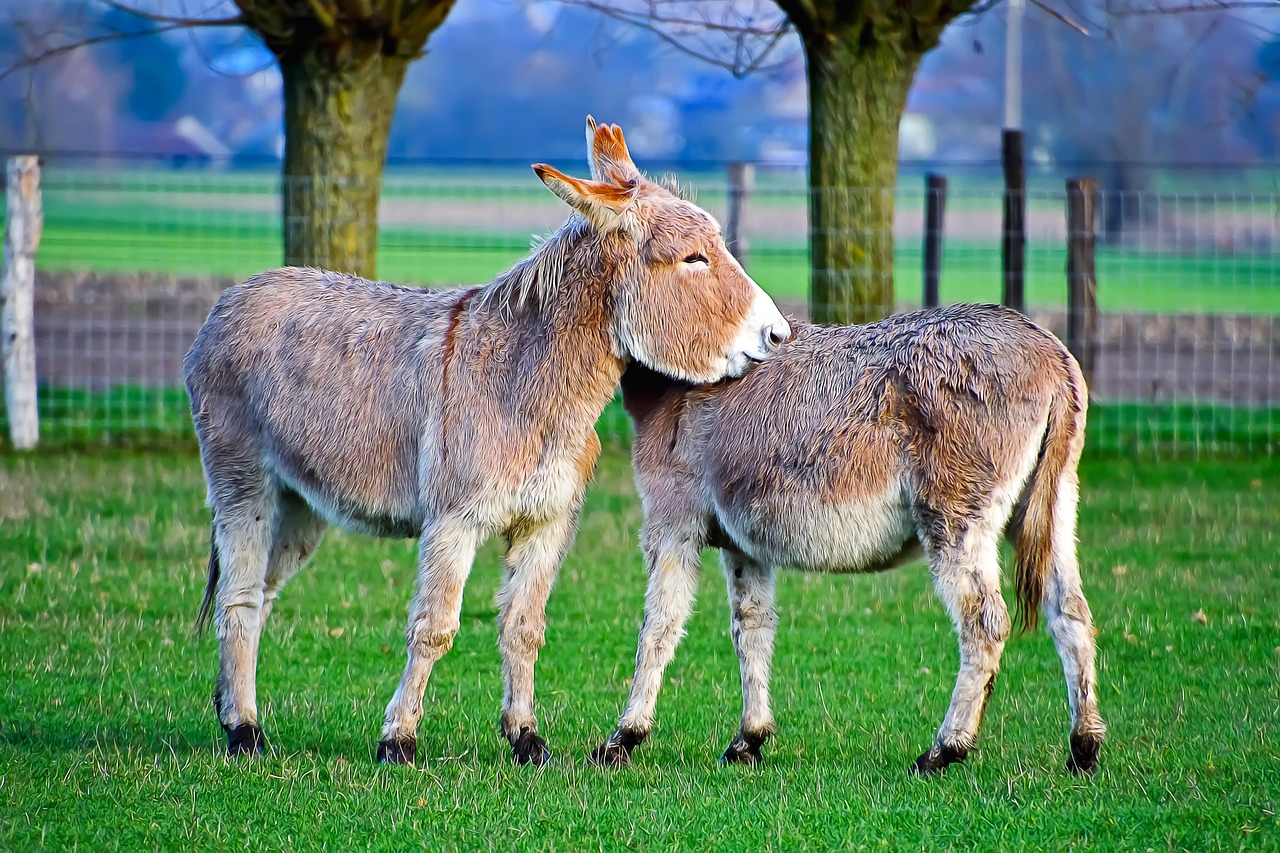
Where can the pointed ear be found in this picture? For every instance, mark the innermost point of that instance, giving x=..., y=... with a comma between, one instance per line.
x=609, y=156
x=591, y=149
x=601, y=203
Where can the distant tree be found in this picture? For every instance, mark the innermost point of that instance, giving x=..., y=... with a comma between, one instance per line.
x=861, y=56
x=342, y=63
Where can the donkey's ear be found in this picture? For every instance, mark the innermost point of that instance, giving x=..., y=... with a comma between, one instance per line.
x=591, y=150
x=600, y=202
x=610, y=160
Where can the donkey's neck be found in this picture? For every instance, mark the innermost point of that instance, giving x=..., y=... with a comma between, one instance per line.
x=646, y=394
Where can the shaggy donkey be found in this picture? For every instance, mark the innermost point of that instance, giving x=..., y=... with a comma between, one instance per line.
x=852, y=449
x=321, y=398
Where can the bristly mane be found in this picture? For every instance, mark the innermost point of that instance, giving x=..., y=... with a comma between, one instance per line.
x=537, y=276
x=669, y=182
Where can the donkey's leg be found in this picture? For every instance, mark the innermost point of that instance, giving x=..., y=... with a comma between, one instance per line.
x=1070, y=623
x=967, y=577
x=245, y=507
x=445, y=554
x=673, y=581
x=753, y=624
x=530, y=565
x=298, y=532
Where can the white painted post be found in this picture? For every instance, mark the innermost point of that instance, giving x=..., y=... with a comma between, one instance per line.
x=23, y=222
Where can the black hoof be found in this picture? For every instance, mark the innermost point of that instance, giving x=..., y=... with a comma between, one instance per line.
x=937, y=759
x=402, y=751
x=1084, y=754
x=245, y=739
x=616, y=751
x=528, y=748
x=744, y=749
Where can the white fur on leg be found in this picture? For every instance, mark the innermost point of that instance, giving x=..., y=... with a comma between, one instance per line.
x=445, y=554
x=673, y=583
x=243, y=540
x=532, y=564
x=967, y=578
x=1068, y=618
x=753, y=624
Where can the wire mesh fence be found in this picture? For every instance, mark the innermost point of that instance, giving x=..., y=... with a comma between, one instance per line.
x=1188, y=287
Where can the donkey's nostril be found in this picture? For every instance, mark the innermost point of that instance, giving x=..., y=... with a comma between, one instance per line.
x=776, y=336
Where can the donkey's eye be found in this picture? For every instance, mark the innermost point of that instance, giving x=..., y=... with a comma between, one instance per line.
x=696, y=258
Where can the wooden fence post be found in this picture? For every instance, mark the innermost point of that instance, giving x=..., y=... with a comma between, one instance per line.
x=1082, y=278
x=740, y=180
x=22, y=225
x=1013, y=244
x=935, y=208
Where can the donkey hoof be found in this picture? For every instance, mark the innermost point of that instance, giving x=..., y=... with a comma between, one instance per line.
x=611, y=754
x=1084, y=754
x=742, y=750
x=530, y=749
x=245, y=739
x=937, y=759
x=400, y=751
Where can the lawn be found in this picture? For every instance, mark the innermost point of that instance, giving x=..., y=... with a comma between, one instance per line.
x=108, y=740
x=155, y=222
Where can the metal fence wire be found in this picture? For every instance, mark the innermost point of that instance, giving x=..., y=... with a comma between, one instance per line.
x=1188, y=291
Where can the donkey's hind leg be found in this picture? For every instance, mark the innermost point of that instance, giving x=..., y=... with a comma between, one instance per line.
x=753, y=625
x=298, y=532
x=245, y=506
x=1070, y=623
x=966, y=575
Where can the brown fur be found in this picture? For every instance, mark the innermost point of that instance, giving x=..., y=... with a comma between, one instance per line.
x=855, y=447
x=322, y=398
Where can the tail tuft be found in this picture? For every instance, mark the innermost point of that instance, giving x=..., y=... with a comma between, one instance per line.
x=1058, y=450
x=211, y=585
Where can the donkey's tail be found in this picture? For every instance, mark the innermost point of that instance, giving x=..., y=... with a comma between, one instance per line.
x=1059, y=452
x=210, y=586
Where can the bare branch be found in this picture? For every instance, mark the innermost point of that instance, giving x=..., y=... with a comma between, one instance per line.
x=1061, y=17
x=159, y=19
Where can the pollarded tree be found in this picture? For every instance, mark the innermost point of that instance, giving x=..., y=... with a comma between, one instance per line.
x=342, y=63
x=862, y=56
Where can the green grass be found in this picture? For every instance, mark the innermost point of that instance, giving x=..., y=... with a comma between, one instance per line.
x=160, y=224
x=108, y=741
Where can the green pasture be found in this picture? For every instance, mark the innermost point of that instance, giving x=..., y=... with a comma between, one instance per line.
x=163, y=225
x=108, y=739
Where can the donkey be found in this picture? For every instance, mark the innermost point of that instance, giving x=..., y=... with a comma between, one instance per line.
x=858, y=449
x=324, y=399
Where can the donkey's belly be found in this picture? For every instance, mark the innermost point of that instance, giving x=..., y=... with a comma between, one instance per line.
x=860, y=536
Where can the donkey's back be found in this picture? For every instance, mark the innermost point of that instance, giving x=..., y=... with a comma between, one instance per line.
x=322, y=379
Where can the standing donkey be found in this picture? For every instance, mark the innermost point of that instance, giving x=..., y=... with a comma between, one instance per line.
x=853, y=448
x=321, y=398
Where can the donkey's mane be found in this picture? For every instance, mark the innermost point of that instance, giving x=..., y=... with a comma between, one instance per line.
x=537, y=276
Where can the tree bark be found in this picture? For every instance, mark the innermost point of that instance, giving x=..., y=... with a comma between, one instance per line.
x=24, y=220
x=857, y=95
x=337, y=115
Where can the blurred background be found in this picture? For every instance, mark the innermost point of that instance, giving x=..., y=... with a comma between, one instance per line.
x=185, y=145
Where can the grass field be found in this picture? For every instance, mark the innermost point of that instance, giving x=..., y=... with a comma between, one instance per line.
x=108, y=740
x=224, y=225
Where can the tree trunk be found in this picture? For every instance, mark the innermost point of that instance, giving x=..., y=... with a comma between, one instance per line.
x=337, y=115
x=857, y=95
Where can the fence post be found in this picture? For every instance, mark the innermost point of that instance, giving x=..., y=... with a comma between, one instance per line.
x=1082, y=278
x=1013, y=245
x=22, y=225
x=935, y=208
x=740, y=179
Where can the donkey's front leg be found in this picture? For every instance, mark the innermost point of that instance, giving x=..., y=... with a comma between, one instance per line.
x=445, y=554
x=753, y=625
x=673, y=566
x=967, y=578
x=531, y=564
